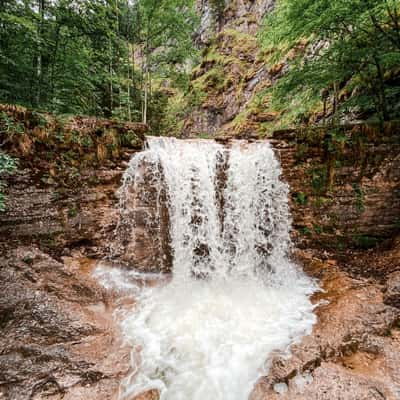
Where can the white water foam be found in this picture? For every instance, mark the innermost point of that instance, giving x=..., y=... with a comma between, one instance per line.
x=235, y=295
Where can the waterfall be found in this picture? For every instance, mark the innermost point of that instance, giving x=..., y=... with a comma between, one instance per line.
x=235, y=294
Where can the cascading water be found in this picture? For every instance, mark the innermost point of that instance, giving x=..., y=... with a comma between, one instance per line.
x=235, y=295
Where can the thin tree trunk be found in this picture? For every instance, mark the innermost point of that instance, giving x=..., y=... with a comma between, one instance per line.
x=146, y=83
x=335, y=100
x=39, y=54
x=130, y=78
x=381, y=92
x=128, y=89
x=111, y=79
x=146, y=94
x=53, y=65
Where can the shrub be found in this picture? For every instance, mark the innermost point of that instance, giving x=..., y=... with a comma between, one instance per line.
x=7, y=166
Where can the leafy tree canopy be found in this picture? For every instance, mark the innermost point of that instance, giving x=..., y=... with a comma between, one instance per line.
x=345, y=52
x=96, y=57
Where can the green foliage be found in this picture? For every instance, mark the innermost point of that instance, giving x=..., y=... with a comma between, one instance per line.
x=306, y=231
x=72, y=211
x=162, y=35
x=366, y=242
x=301, y=198
x=28, y=260
x=342, y=53
x=7, y=166
x=9, y=126
x=93, y=57
x=359, y=197
x=317, y=229
x=318, y=176
x=335, y=139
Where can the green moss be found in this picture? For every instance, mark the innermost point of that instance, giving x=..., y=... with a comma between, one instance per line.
x=365, y=242
x=10, y=126
x=48, y=241
x=8, y=165
x=39, y=119
x=318, y=177
x=204, y=136
x=213, y=79
x=306, y=231
x=359, y=197
x=300, y=198
x=28, y=260
x=317, y=229
x=321, y=201
x=217, y=8
x=72, y=211
x=240, y=43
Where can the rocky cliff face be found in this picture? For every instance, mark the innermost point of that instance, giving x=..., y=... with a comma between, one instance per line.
x=345, y=184
x=345, y=188
x=61, y=219
x=58, y=337
x=64, y=192
x=231, y=71
x=244, y=16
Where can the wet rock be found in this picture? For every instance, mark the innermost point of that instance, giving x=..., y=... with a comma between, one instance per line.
x=353, y=351
x=55, y=339
x=356, y=208
x=280, y=388
x=332, y=382
x=392, y=290
x=152, y=394
x=57, y=218
x=142, y=238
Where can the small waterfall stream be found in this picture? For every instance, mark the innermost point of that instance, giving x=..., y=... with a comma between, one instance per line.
x=235, y=294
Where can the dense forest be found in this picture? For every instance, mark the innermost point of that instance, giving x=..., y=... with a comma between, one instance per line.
x=94, y=57
x=346, y=51
x=124, y=59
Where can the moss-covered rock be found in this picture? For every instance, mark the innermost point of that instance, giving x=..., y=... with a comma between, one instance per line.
x=61, y=146
x=344, y=183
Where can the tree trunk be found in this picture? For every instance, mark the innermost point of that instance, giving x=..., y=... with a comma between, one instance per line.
x=146, y=85
x=53, y=65
x=381, y=92
x=335, y=100
x=111, y=79
x=146, y=94
x=39, y=54
x=128, y=89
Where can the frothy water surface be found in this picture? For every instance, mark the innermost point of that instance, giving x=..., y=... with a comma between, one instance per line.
x=235, y=295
